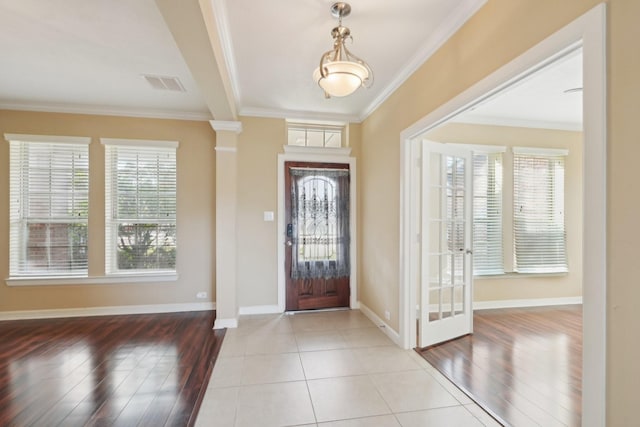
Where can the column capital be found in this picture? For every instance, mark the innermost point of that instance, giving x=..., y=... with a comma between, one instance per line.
x=226, y=125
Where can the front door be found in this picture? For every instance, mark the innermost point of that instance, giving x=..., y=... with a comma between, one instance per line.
x=317, y=262
x=446, y=278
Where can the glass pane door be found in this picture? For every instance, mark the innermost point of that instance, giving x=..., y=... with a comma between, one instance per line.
x=446, y=280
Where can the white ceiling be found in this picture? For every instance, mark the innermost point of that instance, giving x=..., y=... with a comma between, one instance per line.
x=88, y=56
x=540, y=100
x=273, y=47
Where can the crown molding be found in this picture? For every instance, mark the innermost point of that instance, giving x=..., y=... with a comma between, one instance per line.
x=516, y=123
x=299, y=115
x=225, y=125
x=105, y=111
x=445, y=31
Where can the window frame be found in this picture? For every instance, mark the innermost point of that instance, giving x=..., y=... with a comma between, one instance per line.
x=549, y=155
x=19, y=198
x=317, y=127
x=488, y=150
x=111, y=222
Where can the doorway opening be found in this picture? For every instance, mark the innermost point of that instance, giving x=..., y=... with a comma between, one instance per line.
x=317, y=257
x=587, y=32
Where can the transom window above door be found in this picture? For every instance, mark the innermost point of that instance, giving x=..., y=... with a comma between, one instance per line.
x=316, y=135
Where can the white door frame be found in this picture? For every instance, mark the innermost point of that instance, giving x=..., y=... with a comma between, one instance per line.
x=588, y=31
x=318, y=155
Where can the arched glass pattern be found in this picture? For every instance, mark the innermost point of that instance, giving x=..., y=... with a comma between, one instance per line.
x=320, y=219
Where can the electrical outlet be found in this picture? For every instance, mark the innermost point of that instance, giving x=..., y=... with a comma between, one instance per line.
x=387, y=315
x=201, y=295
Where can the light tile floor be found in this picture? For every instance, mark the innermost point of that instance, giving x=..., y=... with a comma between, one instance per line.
x=327, y=369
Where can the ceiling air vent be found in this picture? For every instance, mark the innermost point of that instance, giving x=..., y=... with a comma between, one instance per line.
x=164, y=83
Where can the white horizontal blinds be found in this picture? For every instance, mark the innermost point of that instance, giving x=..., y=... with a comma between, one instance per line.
x=487, y=214
x=539, y=232
x=141, y=208
x=49, y=187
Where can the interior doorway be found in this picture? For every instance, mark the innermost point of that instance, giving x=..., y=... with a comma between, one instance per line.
x=587, y=32
x=317, y=257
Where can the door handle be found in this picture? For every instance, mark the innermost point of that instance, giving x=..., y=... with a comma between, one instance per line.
x=469, y=252
x=289, y=243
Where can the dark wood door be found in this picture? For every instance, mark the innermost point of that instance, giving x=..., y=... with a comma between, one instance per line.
x=317, y=237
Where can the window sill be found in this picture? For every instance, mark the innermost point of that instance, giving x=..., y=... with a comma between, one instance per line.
x=519, y=276
x=92, y=280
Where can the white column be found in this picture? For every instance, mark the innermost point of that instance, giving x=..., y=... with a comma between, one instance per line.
x=226, y=201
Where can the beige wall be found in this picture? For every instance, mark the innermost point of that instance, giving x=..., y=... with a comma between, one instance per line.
x=259, y=144
x=514, y=287
x=196, y=212
x=498, y=33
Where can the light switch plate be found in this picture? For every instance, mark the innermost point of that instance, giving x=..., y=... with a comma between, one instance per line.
x=268, y=216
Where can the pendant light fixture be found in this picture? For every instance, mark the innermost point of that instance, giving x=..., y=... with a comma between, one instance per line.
x=340, y=72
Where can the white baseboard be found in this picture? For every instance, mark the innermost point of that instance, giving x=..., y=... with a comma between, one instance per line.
x=260, y=309
x=225, y=323
x=516, y=303
x=393, y=335
x=106, y=311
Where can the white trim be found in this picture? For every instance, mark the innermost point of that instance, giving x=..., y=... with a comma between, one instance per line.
x=519, y=123
x=588, y=31
x=225, y=323
x=325, y=151
x=144, y=143
x=106, y=311
x=106, y=111
x=536, y=151
x=285, y=114
x=260, y=309
x=594, y=290
x=465, y=10
x=224, y=36
x=381, y=324
x=320, y=124
x=517, y=303
x=56, y=139
x=323, y=157
x=92, y=280
x=226, y=149
x=226, y=125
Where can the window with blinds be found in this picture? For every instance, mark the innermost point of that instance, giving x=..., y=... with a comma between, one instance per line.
x=49, y=205
x=140, y=206
x=487, y=214
x=539, y=232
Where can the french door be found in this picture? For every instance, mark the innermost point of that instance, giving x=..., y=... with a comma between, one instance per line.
x=317, y=253
x=446, y=222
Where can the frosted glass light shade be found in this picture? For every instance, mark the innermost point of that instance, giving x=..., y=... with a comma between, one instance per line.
x=343, y=77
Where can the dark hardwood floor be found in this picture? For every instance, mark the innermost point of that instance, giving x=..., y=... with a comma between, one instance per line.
x=134, y=370
x=523, y=366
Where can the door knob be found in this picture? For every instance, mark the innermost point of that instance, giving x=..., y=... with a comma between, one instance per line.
x=289, y=243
